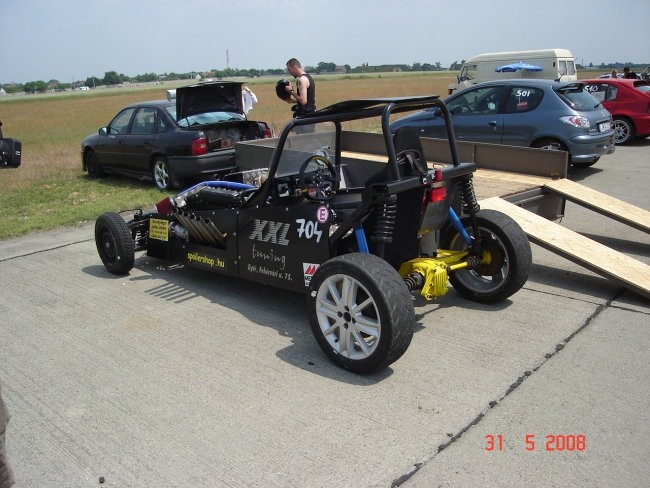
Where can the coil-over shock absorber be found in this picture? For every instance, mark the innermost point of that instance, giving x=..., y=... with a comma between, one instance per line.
x=471, y=207
x=468, y=196
x=385, y=223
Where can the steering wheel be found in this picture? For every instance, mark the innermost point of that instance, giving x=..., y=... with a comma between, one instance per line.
x=319, y=184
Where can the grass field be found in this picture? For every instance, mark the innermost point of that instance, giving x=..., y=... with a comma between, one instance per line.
x=49, y=189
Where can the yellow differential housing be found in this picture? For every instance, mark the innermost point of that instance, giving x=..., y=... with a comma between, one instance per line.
x=434, y=271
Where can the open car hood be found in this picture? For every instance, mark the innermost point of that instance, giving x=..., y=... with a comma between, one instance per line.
x=218, y=96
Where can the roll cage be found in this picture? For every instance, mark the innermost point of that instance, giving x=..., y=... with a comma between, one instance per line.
x=354, y=110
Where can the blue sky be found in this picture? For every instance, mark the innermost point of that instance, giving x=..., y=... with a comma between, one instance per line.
x=73, y=39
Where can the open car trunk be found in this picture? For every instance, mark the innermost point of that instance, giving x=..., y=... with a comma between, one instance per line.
x=224, y=136
x=221, y=96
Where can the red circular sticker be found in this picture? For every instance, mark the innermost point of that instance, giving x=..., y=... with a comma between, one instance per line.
x=322, y=214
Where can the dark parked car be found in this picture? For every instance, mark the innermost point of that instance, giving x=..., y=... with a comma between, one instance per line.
x=191, y=135
x=530, y=113
x=629, y=103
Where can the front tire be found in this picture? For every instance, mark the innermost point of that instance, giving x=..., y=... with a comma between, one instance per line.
x=623, y=130
x=361, y=312
x=114, y=243
x=92, y=165
x=507, y=258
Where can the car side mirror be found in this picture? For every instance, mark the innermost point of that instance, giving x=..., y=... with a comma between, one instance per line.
x=103, y=131
x=432, y=113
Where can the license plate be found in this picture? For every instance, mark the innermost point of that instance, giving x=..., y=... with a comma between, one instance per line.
x=604, y=126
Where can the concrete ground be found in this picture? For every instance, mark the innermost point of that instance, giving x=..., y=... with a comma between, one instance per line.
x=175, y=377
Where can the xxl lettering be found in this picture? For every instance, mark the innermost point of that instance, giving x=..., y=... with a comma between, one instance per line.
x=268, y=231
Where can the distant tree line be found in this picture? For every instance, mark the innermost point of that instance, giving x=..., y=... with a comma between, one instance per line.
x=619, y=66
x=112, y=78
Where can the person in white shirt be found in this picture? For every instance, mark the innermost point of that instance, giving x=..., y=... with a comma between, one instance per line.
x=248, y=99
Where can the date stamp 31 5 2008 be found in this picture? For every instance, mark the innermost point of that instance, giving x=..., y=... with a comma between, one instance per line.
x=531, y=442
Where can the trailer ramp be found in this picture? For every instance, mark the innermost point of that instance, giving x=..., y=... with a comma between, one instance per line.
x=577, y=248
x=601, y=203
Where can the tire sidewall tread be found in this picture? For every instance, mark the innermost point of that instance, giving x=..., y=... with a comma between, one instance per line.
x=124, y=246
x=392, y=298
x=518, y=251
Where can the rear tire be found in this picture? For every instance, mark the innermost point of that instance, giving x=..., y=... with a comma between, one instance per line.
x=550, y=144
x=361, y=312
x=114, y=243
x=623, y=130
x=585, y=165
x=509, y=256
x=555, y=145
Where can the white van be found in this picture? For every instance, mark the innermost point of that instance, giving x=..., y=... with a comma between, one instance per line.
x=555, y=64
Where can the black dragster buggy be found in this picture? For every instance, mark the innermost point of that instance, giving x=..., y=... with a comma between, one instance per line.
x=356, y=233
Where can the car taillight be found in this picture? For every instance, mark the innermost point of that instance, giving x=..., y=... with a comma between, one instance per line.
x=267, y=133
x=437, y=195
x=576, y=121
x=199, y=146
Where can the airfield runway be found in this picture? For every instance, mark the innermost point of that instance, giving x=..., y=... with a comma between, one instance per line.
x=176, y=377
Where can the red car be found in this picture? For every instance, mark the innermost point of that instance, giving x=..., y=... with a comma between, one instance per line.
x=629, y=103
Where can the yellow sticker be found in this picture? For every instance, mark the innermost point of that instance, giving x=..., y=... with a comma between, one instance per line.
x=195, y=257
x=158, y=229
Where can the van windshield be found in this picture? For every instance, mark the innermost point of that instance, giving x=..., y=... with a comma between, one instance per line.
x=567, y=67
x=469, y=72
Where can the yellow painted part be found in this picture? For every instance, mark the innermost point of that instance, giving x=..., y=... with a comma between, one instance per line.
x=449, y=257
x=458, y=266
x=433, y=270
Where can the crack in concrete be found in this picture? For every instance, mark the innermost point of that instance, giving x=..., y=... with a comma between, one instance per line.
x=47, y=249
x=599, y=309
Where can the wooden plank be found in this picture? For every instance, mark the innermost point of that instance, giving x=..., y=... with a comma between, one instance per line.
x=594, y=256
x=382, y=158
x=515, y=178
x=491, y=183
x=367, y=156
x=602, y=203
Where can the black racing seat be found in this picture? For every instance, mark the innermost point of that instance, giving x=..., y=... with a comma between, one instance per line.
x=410, y=156
x=407, y=139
